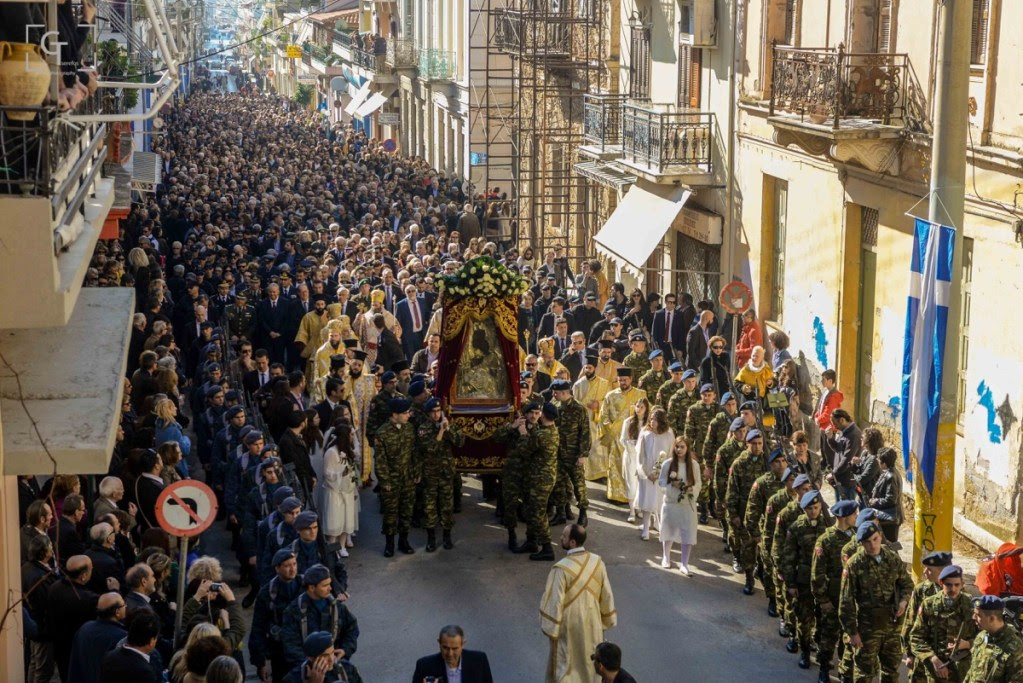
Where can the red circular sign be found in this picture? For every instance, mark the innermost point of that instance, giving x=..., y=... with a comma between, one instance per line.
x=186, y=508
x=736, y=297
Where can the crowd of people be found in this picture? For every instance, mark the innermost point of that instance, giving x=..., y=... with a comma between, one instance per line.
x=285, y=350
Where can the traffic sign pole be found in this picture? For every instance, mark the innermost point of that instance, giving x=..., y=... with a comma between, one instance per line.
x=182, y=572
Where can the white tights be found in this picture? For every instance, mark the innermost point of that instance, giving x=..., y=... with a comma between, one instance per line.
x=686, y=549
x=666, y=550
x=647, y=516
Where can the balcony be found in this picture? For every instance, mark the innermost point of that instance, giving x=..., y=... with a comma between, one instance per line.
x=664, y=144
x=437, y=65
x=548, y=36
x=602, y=125
x=402, y=53
x=844, y=105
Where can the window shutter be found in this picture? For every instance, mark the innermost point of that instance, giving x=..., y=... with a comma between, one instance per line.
x=684, y=55
x=694, y=77
x=790, y=21
x=884, y=26
x=979, y=33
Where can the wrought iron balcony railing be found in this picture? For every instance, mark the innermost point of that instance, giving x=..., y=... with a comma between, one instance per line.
x=402, y=53
x=437, y=65
x=668, y=140
x=344, y=38
x=531, y=34
x=602, y=120
x=828, y=85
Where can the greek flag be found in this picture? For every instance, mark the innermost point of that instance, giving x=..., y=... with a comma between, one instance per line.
x=924, y=351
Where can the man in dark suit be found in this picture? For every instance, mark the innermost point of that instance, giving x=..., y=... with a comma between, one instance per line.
x=132, y=661
x=348, y=307
x=65, y=537
x=147, y=488
x=333, y=390
x=254, y=379
x=587, y=315
x=106, y=561
x=392, y=291
x=98, y=637
x=696, y=341
x=271, y=322
x=413, y=318
x=472, y=665
x=547, y=326
x=575, y=357
x=669, y=335
x=69, y=604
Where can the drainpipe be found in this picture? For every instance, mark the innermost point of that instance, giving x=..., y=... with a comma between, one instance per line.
x=732, y=240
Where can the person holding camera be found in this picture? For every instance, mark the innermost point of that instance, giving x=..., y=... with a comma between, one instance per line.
x=266, y=649
x=453, y=662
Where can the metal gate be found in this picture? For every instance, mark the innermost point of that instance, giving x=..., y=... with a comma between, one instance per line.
x=697, y=268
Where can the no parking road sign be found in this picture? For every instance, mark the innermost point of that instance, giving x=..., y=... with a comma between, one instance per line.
x=186, y=508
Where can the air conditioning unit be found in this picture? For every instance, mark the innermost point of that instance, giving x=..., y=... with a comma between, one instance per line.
x=700, y=224
x=146, y=168
x=698, y=23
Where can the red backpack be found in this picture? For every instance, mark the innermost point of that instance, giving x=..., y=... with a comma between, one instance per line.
x=1002, y=573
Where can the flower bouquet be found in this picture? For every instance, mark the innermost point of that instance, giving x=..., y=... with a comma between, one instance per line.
x=482, y=277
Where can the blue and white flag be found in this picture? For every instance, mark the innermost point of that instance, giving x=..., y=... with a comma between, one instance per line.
x=930, y=283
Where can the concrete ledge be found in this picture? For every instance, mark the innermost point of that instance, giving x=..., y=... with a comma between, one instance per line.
x=72, y=382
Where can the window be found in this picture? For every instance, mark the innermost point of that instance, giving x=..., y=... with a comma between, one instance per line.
x=964, y=339
x=978, y=34
x=791, y=22
x=689, y=63
x=639, y=64
x=779, y=218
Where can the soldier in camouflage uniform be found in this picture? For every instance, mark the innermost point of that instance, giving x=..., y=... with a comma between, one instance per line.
x=741, y=475
x=943, y=628
x=931, y=564
x=638, y=358
x=654, y=378
x=796, y=567
x=436, y=437
x=998, y=651
x=674, y=384
x=678, y=405
x=241, y=318
x=379, y=405
x=698, y=418
x=777, y=502
x=826, y=583
x=874, y=595
x=782, y=521
x=515, y=475
x=764, y=488
x=543, y=469
x=398, y=470
x=574, y=434
x=723, y=459
x=717, y=432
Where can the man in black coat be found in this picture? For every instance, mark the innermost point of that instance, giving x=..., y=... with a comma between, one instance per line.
x=132, y=661
x=696, y=341
x=69, y=604
x=65, y=537
x=272, y=323
x=98, y=637
x=106, y=561
x=293, y=451
x=845, y=441
x=472, y=665
x=37, y=575
x=147, y=488
x=668, y=330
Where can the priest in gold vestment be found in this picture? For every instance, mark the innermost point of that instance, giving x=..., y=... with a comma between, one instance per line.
x=577, y=607
x=617, y=408
x=590, y=390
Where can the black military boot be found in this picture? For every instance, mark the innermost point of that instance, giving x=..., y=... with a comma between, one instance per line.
x=792, y=646
x=747, y=589
x=783, y=628
x=389, y=546
x=825, y=674
x=513, y=540
x=703, y=513
x=568, y=513
x=529, y=546
x=772, y=608
x=544, y=554
x=804, y=655
x=403, y=544
x=250, y=599
x=431, y=540
x=558, y=517
x=448, y=543
x=583, y=520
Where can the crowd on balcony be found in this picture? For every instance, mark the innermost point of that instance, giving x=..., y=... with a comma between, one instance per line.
x=286, y=277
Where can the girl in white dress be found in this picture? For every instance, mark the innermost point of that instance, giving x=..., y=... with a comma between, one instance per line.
x=655, y=442
x=681, y=481
x=628, y=438
x=339, y=516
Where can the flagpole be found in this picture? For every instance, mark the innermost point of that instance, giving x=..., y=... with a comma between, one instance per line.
x=933, y=510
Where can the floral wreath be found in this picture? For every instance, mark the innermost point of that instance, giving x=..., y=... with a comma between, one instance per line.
x=482, y=277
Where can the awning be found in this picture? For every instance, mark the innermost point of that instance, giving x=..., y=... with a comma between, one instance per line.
x=375, y=101
x=358, y=98
x=606, y=173
x=638, y=224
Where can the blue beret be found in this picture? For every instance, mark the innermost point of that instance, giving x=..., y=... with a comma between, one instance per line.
x=866, y=515
x=989, y=603
x=707, y=387
x=689, y=373
x=233, y=395
x=749, y=405
x=637, y=335
x=656, y=353
x=281, y=495
x=269, y=462
x=431, y=404
x=774, y=455
x=550, y=411
x=316, y=643
x=844, y=508
x=315, y=575
x=753, y=434
x=952, y=571
x=306, y=519
x=211, y=348
x=865, y=531
x=786, y=474
x=245, y=430
x=737, y=424
x=561, y=385
x=416, y=388
x=289, y=503
x=399, y=405
x=800, y=480
x=234, y=411
x=388, y=376
x=282, y=555
x=269, y=448
x=938, y=558
x=726, y=397
x=531, y=406
x=214, y=390
x=676, y=367
x=252, y=437
x=526, y=374
x=808, y=498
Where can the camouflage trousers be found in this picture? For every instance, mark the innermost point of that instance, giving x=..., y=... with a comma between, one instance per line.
x=438, y=497
x=537, y=527
x=781, y=593
x=829, y=635
x=881, y=653
x=396, y=505
x=767, y=572
x=744, y=546
x=513, y=491
x=570, y=480
x=803, y=607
